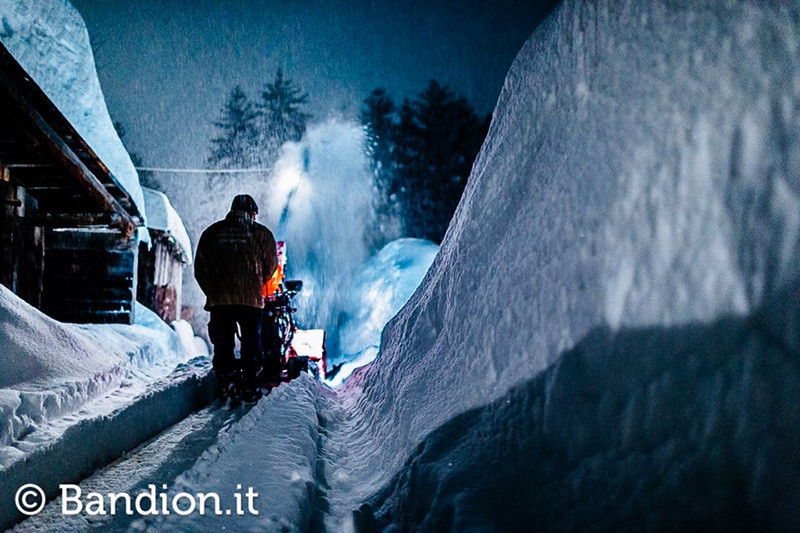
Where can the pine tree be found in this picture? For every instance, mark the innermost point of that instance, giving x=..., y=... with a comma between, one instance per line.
x=236, y=143
x=281, y=116
x=379, y=118
x=438, y=138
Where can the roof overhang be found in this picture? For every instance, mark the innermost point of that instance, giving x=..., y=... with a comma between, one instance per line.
x=41, y=151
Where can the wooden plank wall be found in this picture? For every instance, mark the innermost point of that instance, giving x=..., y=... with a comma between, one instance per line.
x=21, y=245
x=161, y=277
x=8, y=212
x=90, y=276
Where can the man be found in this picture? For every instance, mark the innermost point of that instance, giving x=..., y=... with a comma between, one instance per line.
x=235, y=258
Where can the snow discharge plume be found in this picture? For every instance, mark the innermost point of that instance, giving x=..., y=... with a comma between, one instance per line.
x=321, y=205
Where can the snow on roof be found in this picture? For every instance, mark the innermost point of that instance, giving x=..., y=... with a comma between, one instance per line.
x=49, y=39
x=162, y=216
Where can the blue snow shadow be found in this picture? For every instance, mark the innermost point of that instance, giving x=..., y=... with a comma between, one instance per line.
x=684, y=428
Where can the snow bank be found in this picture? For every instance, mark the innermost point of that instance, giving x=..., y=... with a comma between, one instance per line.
x=162, y=216
x=640, y=177
x=689, y=428
x=38, y=348
x=377, y=293
x=49, y=370
x=274, y=450
x=102, y=436
x=49, y=39
x=63, y=386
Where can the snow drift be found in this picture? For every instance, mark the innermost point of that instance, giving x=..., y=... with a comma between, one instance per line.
x=63, y=385
x=50, y=370
x=620, y=277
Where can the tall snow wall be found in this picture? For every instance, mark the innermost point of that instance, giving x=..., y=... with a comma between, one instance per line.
x=620, y=279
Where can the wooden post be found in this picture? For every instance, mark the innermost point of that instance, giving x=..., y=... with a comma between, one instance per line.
x=8, y=199
x=21, y=245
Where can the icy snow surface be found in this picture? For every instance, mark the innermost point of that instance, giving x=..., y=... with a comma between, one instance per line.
x=154, y=462
x=162, y=216
x=274, y=449
x=106, y=430
x=375, y=295
x=49, y=39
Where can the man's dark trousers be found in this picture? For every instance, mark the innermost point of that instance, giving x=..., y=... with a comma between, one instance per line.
x=222, y=328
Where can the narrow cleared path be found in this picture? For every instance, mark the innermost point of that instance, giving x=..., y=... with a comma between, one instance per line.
x=158, y=461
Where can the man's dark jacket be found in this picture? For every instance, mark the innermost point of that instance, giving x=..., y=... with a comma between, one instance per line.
x=234, y=259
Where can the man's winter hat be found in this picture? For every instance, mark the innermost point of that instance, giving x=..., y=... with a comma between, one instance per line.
x=244, y=202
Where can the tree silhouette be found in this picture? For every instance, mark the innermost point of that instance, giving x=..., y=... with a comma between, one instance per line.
x=380, y=119
x=236, y=143
x=426, y=164
x=281, y=116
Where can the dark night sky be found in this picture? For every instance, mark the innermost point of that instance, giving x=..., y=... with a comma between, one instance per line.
x=166, y=66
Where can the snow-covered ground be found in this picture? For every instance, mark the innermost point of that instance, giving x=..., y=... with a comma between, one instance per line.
x=607, y=339
x=625, y=255
x=275, y=449
x=154, y=462
x=62, y=383
x=50, y=370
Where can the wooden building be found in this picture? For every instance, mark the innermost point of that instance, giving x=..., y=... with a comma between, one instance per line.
x=161, y=263
x=68, y=238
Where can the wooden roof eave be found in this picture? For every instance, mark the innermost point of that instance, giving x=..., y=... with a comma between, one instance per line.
x=31, y=100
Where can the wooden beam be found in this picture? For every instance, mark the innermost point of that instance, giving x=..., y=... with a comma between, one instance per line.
x=51, y=220
x=32, y=179
x=28, y=165
x=51, y=188
x=59, y=148
x=78, y=170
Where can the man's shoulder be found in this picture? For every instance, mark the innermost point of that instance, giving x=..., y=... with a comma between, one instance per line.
x=261, y=229
x=213, y=228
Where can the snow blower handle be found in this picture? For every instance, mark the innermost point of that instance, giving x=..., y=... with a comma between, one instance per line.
x=293, y=286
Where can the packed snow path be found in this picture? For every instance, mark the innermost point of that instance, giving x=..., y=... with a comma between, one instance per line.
x=95, y=438
x=155, y=462
x=274, y=447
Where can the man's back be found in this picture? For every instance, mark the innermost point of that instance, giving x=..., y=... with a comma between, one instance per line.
x=235, y=257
